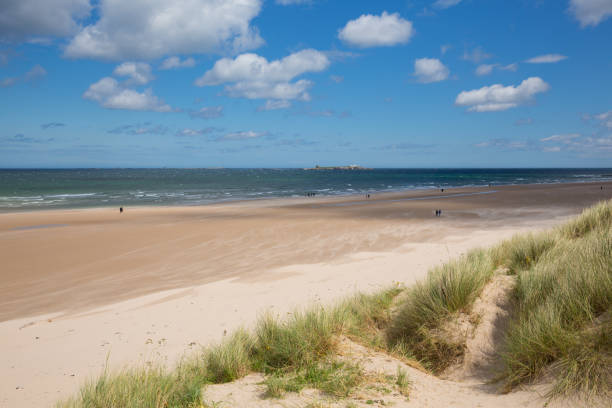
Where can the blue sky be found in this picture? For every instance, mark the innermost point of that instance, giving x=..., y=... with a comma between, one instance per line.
x=290, y=83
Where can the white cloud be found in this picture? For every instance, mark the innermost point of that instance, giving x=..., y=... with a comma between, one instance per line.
x=147, y=29
x=498, y=97
x=138, y=72
x=375, y=31
x=8, y=81
x=505, y=144
x=565, y=138
x=523, y=122
x=485, y=69
x=429, y=70
x=476, y=55
x=575, y=142
x=444, y=4
x=195, y=132
x=246, y=135
x=208, y=112
x=252, y=76
x=546, y=59
x=336, y=78
x=275, y=105
x=590, y=12
x=37, y=72
x=110, y=94
x=24, y=19
x=510, y=67
x=175, y=62
x=290, y=2
x=605, y=119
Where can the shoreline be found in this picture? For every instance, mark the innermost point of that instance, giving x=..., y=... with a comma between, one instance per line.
x=297, y=198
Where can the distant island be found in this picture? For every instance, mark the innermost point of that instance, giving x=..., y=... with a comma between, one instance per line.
x=351, y=167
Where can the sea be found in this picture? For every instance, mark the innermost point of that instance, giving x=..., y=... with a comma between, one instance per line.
x=39, y=189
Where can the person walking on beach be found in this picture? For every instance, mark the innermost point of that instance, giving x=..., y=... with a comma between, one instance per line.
x=120, y=210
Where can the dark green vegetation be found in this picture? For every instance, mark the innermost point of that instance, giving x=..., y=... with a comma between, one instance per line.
x=561, y=324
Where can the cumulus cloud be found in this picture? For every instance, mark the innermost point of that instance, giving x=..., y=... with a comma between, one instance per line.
x=498, y=97
x=590, y=12
x=429, y=70
x=207, y=112
x=546, y=59
x=176, y=62
x=376, y=31
x=24, y=19
x=112, y=95
x=444, y=4
x=254, y=77
x=138, y=72
x=147, y=29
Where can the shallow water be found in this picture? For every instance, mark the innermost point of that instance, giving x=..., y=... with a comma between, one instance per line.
x=81, y=188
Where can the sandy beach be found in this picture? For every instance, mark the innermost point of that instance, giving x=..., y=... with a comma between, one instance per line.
x=88, y=288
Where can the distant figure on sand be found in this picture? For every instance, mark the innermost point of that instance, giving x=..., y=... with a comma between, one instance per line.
x=442, y=190
x=120, y=210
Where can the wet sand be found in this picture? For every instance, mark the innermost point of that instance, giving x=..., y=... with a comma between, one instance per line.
x=81, y=286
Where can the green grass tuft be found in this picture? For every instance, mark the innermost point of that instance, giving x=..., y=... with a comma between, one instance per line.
x=556, y=301
x=418, y=327
x=230, y=360
x=334, y=378
x=598, y=217
x=301, y=340
x=523, y=251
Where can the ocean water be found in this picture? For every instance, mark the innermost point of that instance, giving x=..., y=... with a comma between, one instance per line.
x=81, y=188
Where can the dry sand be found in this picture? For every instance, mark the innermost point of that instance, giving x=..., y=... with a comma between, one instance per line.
x=85, y=288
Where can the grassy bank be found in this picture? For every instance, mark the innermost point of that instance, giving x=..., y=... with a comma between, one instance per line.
x=561, y=325
x=293, y=353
